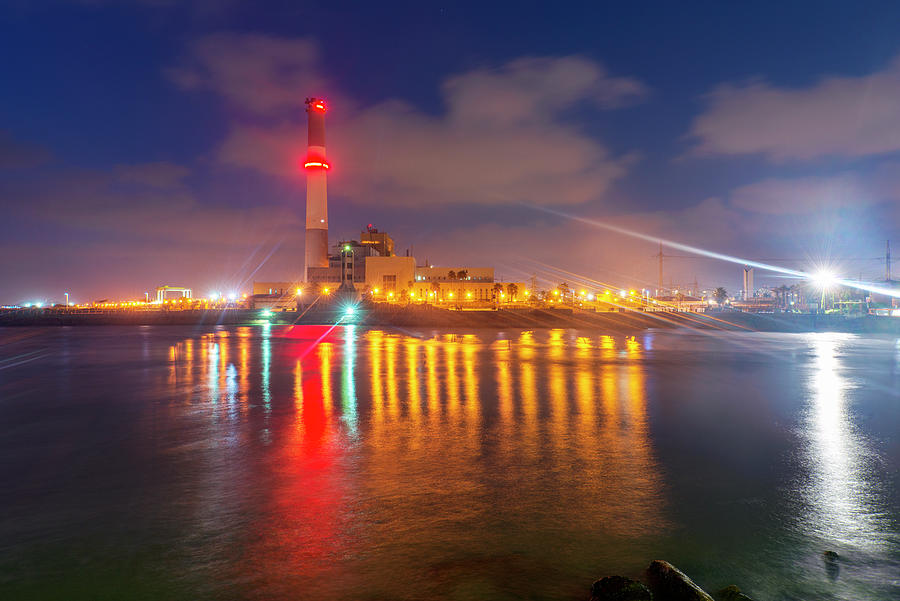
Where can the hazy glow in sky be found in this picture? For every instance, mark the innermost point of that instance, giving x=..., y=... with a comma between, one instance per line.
x=155, y=143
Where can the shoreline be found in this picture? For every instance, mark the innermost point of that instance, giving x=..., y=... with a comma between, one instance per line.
x=428, y=316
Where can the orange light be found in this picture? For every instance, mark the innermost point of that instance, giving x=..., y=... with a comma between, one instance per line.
x=316, y=165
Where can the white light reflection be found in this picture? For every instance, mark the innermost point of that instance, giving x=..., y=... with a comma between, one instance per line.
x=231, y=390
x=840, y=494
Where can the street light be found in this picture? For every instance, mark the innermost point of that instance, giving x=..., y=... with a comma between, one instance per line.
x=825, y=279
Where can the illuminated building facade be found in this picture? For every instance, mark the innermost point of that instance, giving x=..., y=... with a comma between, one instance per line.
x=380, y=241
x=390, y=275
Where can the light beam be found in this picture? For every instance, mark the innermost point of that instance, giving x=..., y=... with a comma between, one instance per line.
x=835, y=281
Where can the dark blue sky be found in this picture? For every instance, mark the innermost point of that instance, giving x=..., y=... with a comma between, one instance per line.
x=133, y=149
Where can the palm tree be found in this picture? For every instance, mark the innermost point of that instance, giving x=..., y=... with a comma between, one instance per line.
x=512, y=290
x=451, y=275
x=462, y=274
x=436, y=289
x=720, y=294
x=563, y=291
x=782, y=294
x=498, y=290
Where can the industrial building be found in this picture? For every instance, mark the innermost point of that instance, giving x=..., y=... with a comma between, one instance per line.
x=367, y=266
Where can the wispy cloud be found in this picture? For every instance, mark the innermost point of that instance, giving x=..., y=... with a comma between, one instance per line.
x=837, y=116
x=19, y=154
x=502, y=136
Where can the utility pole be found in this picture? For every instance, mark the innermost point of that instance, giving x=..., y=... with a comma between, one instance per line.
x=660, y=255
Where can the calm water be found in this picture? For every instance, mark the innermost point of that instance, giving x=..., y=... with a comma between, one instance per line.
x=307, y=463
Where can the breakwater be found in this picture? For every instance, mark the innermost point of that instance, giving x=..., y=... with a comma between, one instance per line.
x=429, y=316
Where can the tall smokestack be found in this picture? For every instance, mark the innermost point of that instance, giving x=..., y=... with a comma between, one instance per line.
x=316, y=189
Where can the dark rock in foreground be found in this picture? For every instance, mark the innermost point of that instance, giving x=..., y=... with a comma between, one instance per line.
x=668, y=583
x=732, y=593
x=832, y=567
x=619, y=588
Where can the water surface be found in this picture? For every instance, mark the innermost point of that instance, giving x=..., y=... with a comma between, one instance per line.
x=269, y=462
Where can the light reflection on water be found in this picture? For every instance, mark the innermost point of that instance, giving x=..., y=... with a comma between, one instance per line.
x=316, y=462
x=841, y=496
x=414, y=461
x=839, y=490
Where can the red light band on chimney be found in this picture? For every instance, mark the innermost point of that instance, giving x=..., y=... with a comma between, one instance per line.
x=316, y=165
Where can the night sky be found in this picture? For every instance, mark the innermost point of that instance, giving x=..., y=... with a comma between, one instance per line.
x=157, y=142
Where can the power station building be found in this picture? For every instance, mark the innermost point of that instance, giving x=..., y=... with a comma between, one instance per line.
x=368, y=265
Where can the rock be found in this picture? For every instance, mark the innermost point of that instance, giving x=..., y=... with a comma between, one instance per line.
x=832, y=567
x=619, y=588
x=732, y=593
x=668, y=583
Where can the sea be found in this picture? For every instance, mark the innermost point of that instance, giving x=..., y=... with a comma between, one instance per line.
x=344, y=462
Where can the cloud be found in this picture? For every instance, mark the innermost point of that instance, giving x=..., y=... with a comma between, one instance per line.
x=144, y=203
x=155, y=175
x=819, y=194
x=550, y=249
x=530, y=88
x=17, y=154
x=837, y=116
x=801, y=195
x=502, y=137
x=133, y=227
x=256, y=74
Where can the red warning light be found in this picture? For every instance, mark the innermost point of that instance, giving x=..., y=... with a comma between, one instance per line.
x=316, y=165
x=316, y=104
